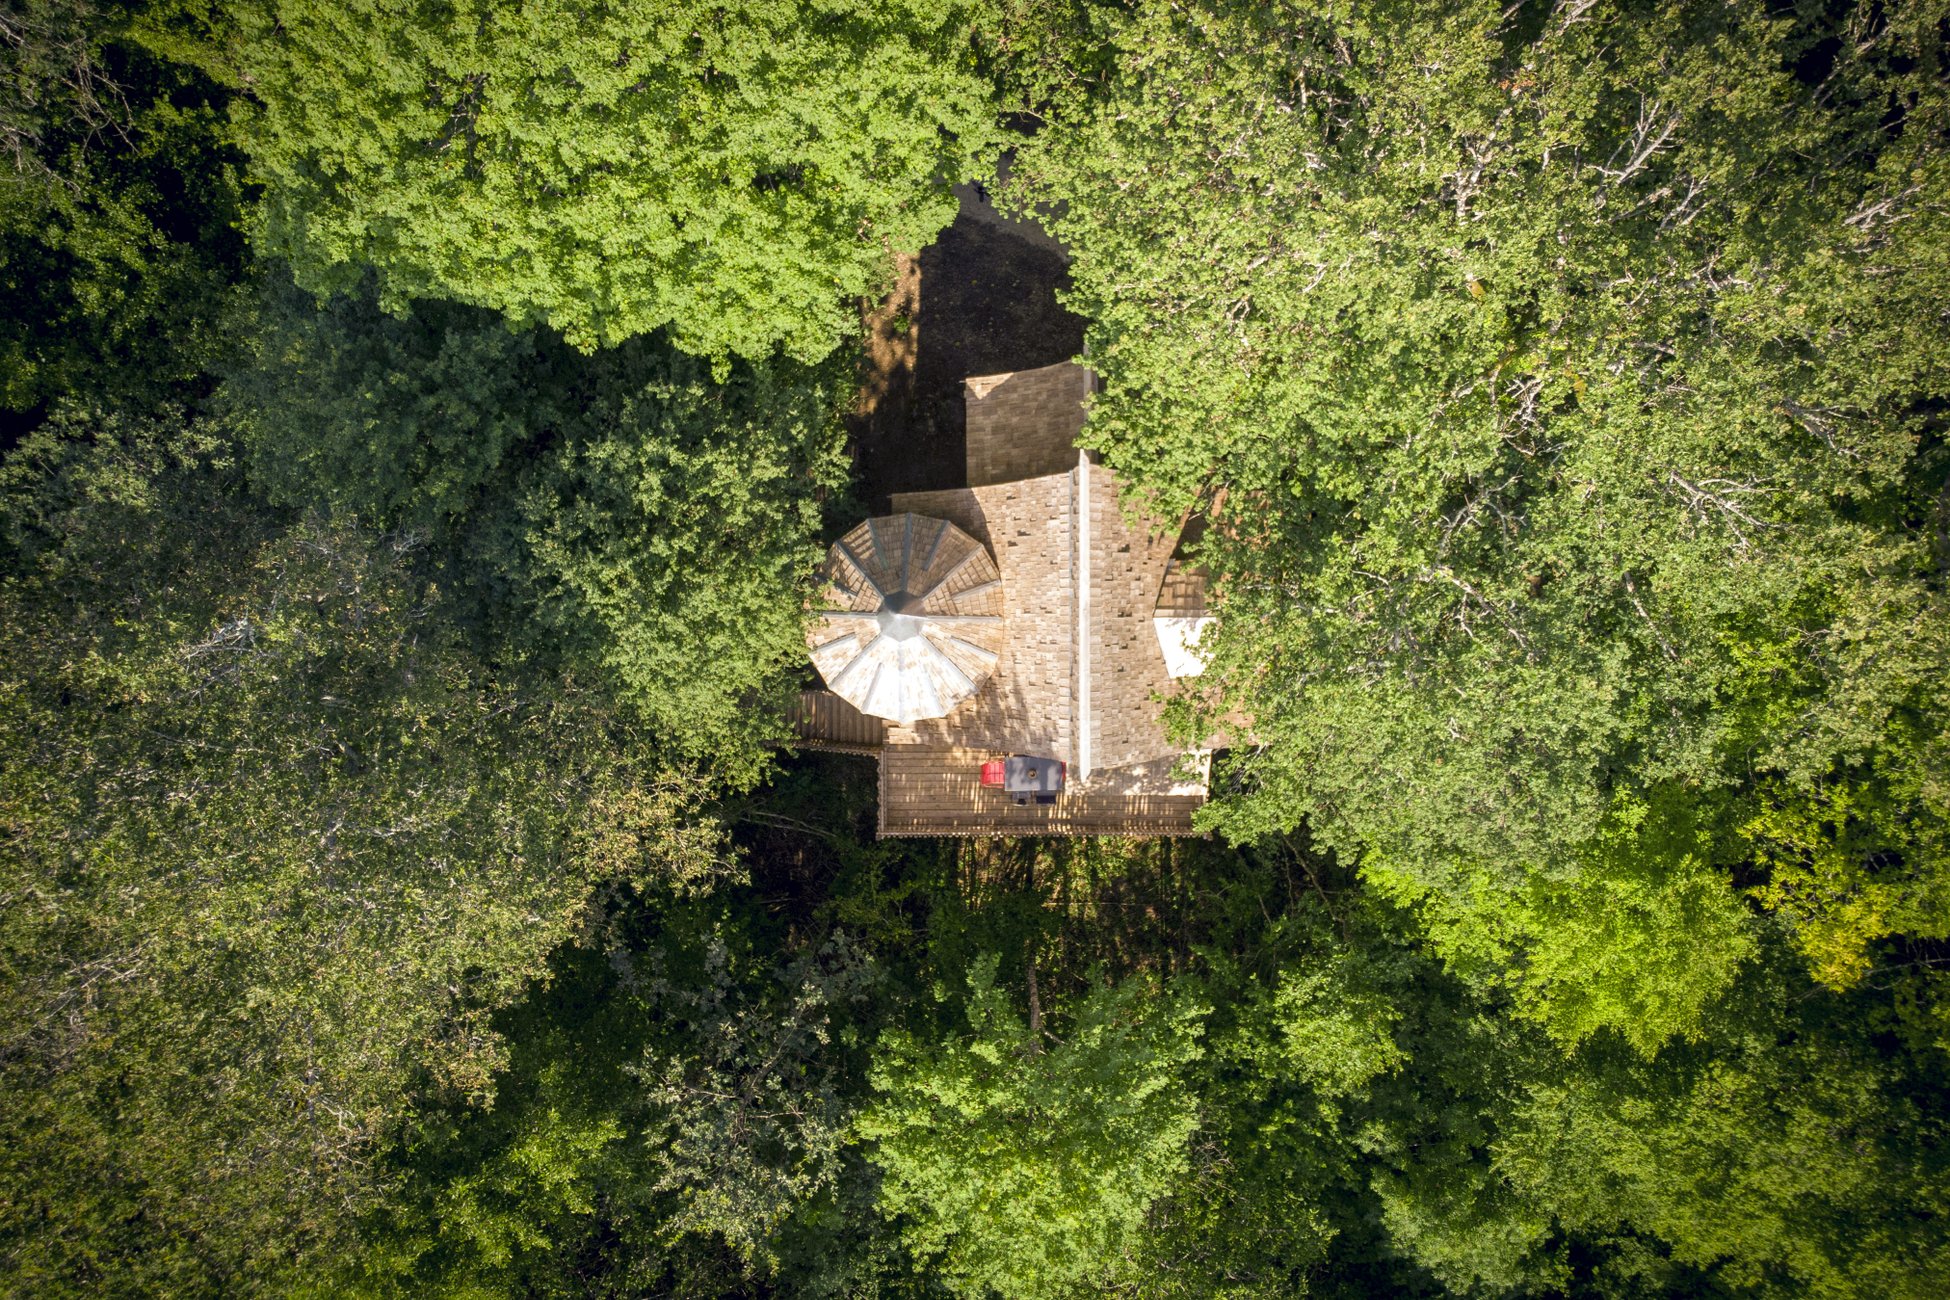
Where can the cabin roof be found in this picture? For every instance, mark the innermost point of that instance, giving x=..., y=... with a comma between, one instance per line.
x=1081, y=667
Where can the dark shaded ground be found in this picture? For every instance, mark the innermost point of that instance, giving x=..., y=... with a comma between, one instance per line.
x=985, y=302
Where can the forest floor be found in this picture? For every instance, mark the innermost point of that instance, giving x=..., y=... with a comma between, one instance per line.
x=980, y=300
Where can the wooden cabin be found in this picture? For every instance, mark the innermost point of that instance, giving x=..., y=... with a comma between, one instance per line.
x=1023, y=614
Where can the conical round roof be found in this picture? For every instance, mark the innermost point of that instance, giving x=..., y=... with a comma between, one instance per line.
x=912, y=623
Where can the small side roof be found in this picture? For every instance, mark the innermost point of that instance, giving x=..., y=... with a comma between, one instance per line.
x=1024, y=424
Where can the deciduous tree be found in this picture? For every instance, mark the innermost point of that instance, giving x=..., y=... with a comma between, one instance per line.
x=735, y=173
x=278, y=843
x=1024, y=1167
x=628, y=515
x=1564, y=380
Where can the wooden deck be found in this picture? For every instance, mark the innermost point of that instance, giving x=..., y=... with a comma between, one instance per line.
x=926, y=790
x=822, y=720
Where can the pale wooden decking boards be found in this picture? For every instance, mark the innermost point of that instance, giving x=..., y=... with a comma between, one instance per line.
x=822, y=720
x=930, y=791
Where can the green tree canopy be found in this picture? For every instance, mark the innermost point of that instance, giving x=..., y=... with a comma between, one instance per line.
x=675, y=1109
x=278, y=843
x=625, y=514
x=1789, y=1157
x=1027, y=1168
x=1563, y=381
x=1563, y=385
x=120, y=210
x=737, y=174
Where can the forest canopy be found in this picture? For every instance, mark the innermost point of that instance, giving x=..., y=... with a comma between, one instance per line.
x=421, y=427
x=1555, y=383
x=733, y=174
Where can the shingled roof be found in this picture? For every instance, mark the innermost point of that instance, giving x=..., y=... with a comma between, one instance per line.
x=1081, y=667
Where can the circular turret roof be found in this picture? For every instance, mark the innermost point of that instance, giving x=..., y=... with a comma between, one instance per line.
x=912, y=620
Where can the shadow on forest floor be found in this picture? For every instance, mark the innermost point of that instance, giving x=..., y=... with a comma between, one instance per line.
x=979, y=300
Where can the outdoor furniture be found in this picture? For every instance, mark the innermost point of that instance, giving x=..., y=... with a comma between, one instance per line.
x=1027, y=778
